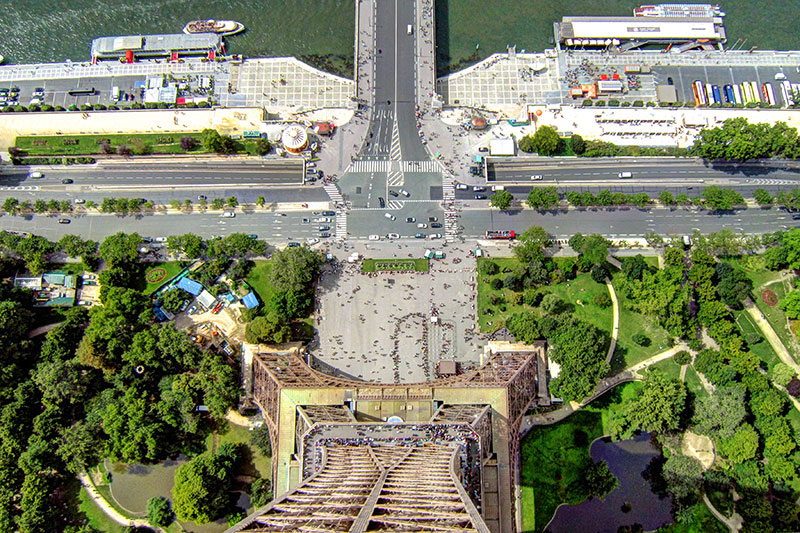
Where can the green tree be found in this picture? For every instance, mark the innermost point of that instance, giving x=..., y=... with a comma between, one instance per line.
x=791, y=304
x=577, y=144
x=531, y=244
x=268, y=329
x=173, y=300
x=683, y=475
x=202, y=486
x=501, y=200
x=262, y=147
x=211, y=140
x=526, y=144
x=120, y=249
x=546, y=140
x=579, y=348
x=657, y=408
x=159, y=512
x=741, y=446
x=598, y=479
x=633, y=267
x=260, y=201
x=260, y=438
x=782, y=374
x=260, y=492
x=666, y=198
x=10, y=205
x=543, y=197
x=721, y=199
x=763, y=197
x=721, y=414
x=232, y=201
x=593, y=248
x=218, y=203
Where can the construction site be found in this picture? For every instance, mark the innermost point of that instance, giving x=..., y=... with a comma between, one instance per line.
x=357, y=456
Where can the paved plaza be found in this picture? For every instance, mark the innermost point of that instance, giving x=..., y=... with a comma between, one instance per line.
x=379, y=328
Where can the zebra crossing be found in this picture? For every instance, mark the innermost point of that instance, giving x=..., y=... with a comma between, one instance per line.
x=768, y=181
x=369, y=166
x=333, y=193
x=394, y=175
x=395, y=204
x=341, y=226
x=421, y=166
x=394, y=151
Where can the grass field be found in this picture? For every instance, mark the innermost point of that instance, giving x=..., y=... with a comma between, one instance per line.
x=95, y=516
x=668, y=367
x=762, y=349
x=580, y=295
x=254, y=459
x=258, y=279
x=173, y=268
x=554, y=456
x=693, y=383
x=150, y=143
x=395, y=265
x=775, y=315
x=630, y=323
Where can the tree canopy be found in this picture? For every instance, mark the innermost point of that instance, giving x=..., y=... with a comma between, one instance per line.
x=501, y=200
x=658, y=408
x=202, y=486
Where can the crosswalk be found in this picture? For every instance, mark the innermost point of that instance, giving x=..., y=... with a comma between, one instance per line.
x=395, y=204
x=341, y=225
x=394, y=176
x=21, y=188
x=421, y=166
x=394, y=151
x=333, y=193
x=369, y=166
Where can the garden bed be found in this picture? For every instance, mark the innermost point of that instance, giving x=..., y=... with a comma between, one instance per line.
x=395, y=265
x=160, y=273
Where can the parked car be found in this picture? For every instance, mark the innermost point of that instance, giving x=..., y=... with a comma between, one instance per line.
x=404, y=193
x=436, y=225
x=435, y=236
x=394, y=194
x=483, y=149
x=202, y=197
x=253, y=236
x=324, y=235
x=462, y=186
x=293, y=244
x=324, y=228
x=411, y=219
x=79, y=201
x=329, y=213
x=422, y=225
x=478, y=188
x=432, y=219
x=322, y=219
x=381, y=202
x=374, y=237
x=312, y=240
x=161, y=239
x=228, y=214
x=419, y=236
x=480, y=197
x=392, y=236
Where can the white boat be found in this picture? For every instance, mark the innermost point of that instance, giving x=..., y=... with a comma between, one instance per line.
x=679, y=10
x=222, y=27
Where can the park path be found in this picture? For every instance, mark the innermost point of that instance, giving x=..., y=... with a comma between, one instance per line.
x=104, y=506
x=41, y=330
x=733, y=523
x=683, y=373
x=631, y=373
x=615, y=327
x=771, y=336
x=234, y=417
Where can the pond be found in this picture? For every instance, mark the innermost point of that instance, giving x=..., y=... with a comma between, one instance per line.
x=627, y=460
x=133, y=484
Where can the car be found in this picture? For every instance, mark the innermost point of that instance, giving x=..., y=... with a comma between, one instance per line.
x=394, y=193
x=625, y=175
x=404, y=193
x=480, y=197
x=38, y=91
x=436, y=225
x=390, y=216
x=311, y=164
x=392, y=236
x=78, y=201
x=432, y=219
x=253, y=236
x=293, y=245
x=228, y=214
x=67, y=181
x=324, y=235
x=192, y=310
x=374, y=237
x=306, y=221
x=478, y=188
x=35, y=174
x=280, y=214
x=202, y=197
x=411, y=219
x=161, y=239
x=474, y=171
x=320, y=174
x=323, y=228
x=312, y=240
x=796, y=217
x=536, y=177
x=329, y=213
x=14, y=90
x=148, y=239
x=381, y=202
x=63, y=221
x=419, y=236
x=483, y=149
x=3, y=91
x=185, y=305
x=322, y=219
x=422, y=225
x=35, y=101
x=462, y=186
x=435, y=236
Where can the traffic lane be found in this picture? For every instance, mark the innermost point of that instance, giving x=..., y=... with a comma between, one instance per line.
x=624, y=222
x=134, y=175
x=364, y=222
x=384, y=52
x=268, y=226
x=688, y=172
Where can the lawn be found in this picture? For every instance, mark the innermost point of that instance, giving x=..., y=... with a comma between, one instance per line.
x=171, y=268
x=96, y=517
x=580, y=293
x=258, y=279
x=630, y=323
x=140, y=143
x=553, y=457
x=668, y=367
x=775, y=316
x=762, y=349
x=693, y=383
x=395, y=265
x=253, y=461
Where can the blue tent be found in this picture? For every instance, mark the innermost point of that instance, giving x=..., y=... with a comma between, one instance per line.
x=250, y=300
x=192, y=287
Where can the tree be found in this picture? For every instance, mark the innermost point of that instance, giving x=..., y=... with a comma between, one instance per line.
x=783, y=374
x=763, y=197
x=543, y=197
x=733, y=285
x=173, y=300
x=683, y=475
x=577, y=144
x=260, y=438
x=232, y=201
x=10, y=205
x=202, y=486
x=633, y=267
x=791, y=304
x=721, y=414
x=260, y=492
x=666, y=198
x=721, y=199
x=593, y=248
x=599, y=480
x=741, y=446
x=159, y=513
x=501, y=200
x=268, y=329
x=658, y=408
x=260, y=201
x=211, y=140
x=579, y=348
x=120, y=248
x=546, y=141
x=531, y=244
x=218, y=203
x=188, y=143
x=602, y=300
x=641, y=339
x=526, y=144
x=600, y=273
x=552, y=304
x=262, y=147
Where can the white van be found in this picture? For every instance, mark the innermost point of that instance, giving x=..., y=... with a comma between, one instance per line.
x=390, y=216
x=625, y=175
x=115, y=93
x=498, y=187
x=410, y=29
x=374, y=237
x=35, y=174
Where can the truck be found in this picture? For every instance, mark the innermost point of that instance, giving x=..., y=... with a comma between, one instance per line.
x=501, y=234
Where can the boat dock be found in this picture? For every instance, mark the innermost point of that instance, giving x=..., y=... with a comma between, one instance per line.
x=155, y=46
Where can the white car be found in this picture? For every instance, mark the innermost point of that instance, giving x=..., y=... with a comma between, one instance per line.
x=228, y=214
x=79, y=201
x=390, y=216
x=36, y=174
x=404, y=193
x=161, y=239
x=536, y=177
x=435, y=236
x=322, y=219
x=374, y=237
x=422, y=225
x=312, y=240
x=392, y=236
x=462, y=186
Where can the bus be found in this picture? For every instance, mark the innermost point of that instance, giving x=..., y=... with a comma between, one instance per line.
x=786, y=92
x=717, y=96
x=746, y=90
x=729, y=99
x=699, y=91
x=737, y=94
x=769, y=94
x=501, y=234
x=709, y=93
x=756, y=92
x=82, y=92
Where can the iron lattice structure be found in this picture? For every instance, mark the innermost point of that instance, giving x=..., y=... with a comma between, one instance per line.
x=399, y=486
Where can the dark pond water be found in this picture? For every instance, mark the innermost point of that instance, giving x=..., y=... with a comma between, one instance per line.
x=626, y=459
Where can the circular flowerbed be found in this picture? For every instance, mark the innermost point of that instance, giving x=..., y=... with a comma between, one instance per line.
x=769, y=298
x=155, y=275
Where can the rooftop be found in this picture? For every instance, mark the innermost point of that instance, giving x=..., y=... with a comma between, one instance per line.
x=165, y=43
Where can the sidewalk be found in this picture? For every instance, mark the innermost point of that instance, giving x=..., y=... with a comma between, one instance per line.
x=112, y=513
